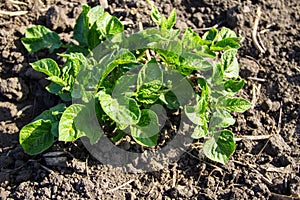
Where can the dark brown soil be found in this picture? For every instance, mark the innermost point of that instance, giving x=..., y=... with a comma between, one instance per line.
x=259, y=169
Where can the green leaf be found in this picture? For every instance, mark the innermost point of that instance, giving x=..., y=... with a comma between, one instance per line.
x=237, y=105
x=218, y=74
x=194, y=61
x=211, y=35
x=202, y=104
x=109, y=25
x=193, y=115
x=205, y=91
x=57, y=80
x=192, y=40
x=94, y=14
x=155, y=15
x=230, y=64
x=234, y=85
x=150, y=72
x=200, y=131
x=114, y=26
x=87, y=125
x=125, y=86
x=47, y=66
x=124, y=111
x=149, y=92
x=227, y=33
x=94, y=37
x=36, y=137
x=171, y=21
x=67, y=130
x=81, y=28
x=40, y=37
x=179, y=86
x=53, y=114
x=170, y=100
x=220, y=147
x=146, y=131
x=225, y=44
x=54, y=88
x=168, y=50
x=54, y=128
x=65, y=96
x=221, y=119
x=77, y=49
x=75, y=62
x=112, y=60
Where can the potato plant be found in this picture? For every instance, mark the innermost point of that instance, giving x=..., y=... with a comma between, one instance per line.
x=112, y=75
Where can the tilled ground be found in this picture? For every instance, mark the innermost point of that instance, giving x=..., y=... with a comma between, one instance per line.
x=259, y=169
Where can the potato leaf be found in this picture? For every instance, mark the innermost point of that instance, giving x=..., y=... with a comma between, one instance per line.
x=109, y=25
x=230, y=64
x=67, y=129
x=53, y=114
x=234, y=86
x=211, y=35
x=125, y=86
x=146, y=131
x=124, y=111
x=171, y=21
x=94, y=13
x=36, y=137
x=192, y=40
x=227, y=33
x=57, y=80
x=81, y=28
x=150, y=92
x=225, y=44
x=193, y=115
x=94, y=37
x=170, y=100
x=40, y=37
x=194, y=61
x=112, y=60
x=87, y=125
x=47, y=66
x=200, y=131
x=219, y=147
x=155, y=15
x=220, y=119
x=237, y=105
x=150, y=72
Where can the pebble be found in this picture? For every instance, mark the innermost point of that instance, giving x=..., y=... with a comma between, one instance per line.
x=5, y=54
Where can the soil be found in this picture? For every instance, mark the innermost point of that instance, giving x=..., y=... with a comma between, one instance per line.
x=259, y=169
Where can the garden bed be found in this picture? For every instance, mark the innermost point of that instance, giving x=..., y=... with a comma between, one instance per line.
x=266, y=161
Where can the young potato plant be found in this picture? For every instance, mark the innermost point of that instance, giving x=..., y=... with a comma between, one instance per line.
x=112, y=76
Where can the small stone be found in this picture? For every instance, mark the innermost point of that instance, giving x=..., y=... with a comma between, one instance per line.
x=3, y=194
x=8, y=111
x=47, y=192
x=5, y=54
x=277, y=146
x=14, y=88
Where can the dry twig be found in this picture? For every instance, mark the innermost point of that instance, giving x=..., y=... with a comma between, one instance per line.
x=87, y=166
x=257, y=79
x=254, y=31
x=14, y=13
x=120, y=186
x=17, y=2
x=253, y=137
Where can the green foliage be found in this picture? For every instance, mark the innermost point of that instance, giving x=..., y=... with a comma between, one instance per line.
x=119, y=84
x=39, y=37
